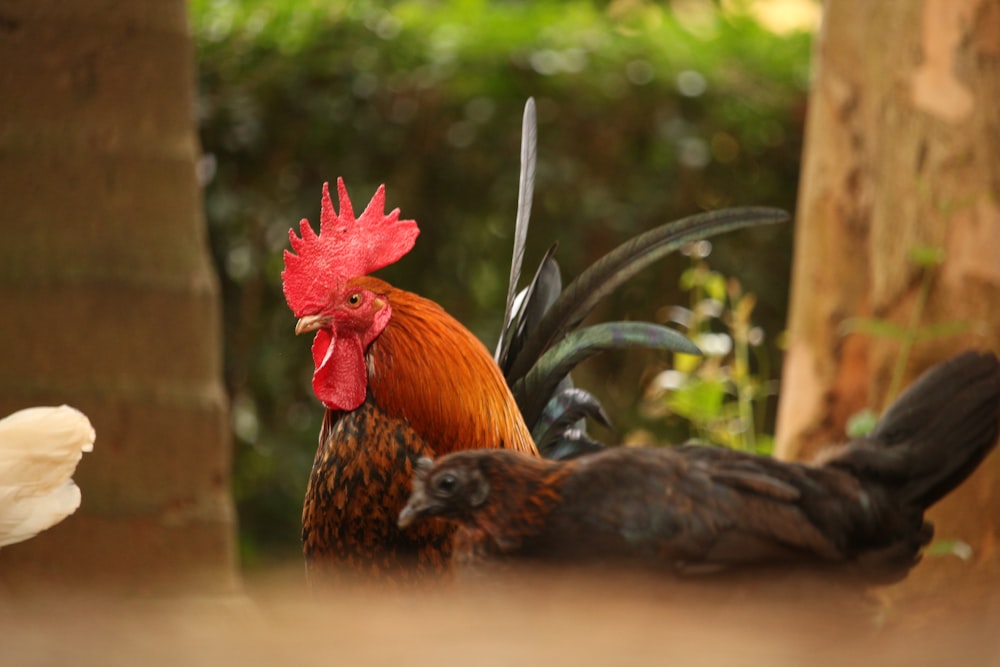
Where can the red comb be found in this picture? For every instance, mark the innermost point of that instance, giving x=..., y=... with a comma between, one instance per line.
x=346, y=247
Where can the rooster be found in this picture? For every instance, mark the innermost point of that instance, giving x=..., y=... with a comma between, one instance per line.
x=39, y=450
x=401, y=379
x=699, y=509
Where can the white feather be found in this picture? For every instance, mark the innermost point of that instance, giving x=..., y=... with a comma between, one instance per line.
x=39, y=450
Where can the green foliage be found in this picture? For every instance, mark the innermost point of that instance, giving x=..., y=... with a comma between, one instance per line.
x=644, y=116
x=958, y=548
x=723, y=395
x=861, y=423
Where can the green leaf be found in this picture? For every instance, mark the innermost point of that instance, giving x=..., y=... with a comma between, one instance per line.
x=927, y=256
x=765, y=444
x=715, y=286
x=699, y=400
x=951, y=547
x=687, y=363
x=689, y=278
x=945, y=329
x=861, y=423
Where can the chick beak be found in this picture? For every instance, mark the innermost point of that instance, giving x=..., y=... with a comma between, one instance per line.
x=413, y=511
x=312, y=323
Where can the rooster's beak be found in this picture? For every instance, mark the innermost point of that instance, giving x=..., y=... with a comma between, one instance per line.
x=312, y=323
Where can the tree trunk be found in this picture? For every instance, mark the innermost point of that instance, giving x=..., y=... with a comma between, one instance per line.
x=902, y=147
x=109, y=300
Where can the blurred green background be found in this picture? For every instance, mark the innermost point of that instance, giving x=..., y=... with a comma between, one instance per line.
x=646, y=112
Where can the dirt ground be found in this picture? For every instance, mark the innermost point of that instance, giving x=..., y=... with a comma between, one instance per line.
x=590, y=619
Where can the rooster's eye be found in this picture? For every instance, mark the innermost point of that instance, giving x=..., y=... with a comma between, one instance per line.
x=354, y=299
x=445, y=484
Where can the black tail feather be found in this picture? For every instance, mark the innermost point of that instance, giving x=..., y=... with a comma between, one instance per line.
x=539, y=343
x=528, y=309
x=608, y=273
x=935, y=434
x=567, y=410
x=525, y=194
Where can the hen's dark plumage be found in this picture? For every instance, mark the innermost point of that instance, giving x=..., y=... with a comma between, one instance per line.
x=697, y=508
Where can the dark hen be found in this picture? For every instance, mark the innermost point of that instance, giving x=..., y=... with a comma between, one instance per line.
x=696, y=508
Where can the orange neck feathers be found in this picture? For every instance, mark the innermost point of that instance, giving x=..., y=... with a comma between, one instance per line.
x=428, y=369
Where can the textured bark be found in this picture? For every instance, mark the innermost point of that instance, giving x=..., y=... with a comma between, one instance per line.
x=108, y=297
x=902, y=142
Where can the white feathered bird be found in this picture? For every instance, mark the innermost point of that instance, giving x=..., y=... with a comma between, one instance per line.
x=39, y=450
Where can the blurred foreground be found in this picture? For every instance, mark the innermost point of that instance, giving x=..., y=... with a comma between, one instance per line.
x=595, y=620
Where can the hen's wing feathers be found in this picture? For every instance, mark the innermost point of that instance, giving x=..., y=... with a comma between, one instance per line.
x=721, y=507
x=757, y=483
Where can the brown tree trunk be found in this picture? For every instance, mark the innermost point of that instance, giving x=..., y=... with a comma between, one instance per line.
x=108, y=299
x=902, y=150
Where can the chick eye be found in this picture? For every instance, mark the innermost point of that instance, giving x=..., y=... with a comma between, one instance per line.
x=446, y=484
x=354, y=299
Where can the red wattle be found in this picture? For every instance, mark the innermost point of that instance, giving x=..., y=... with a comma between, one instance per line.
x=341, y=379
